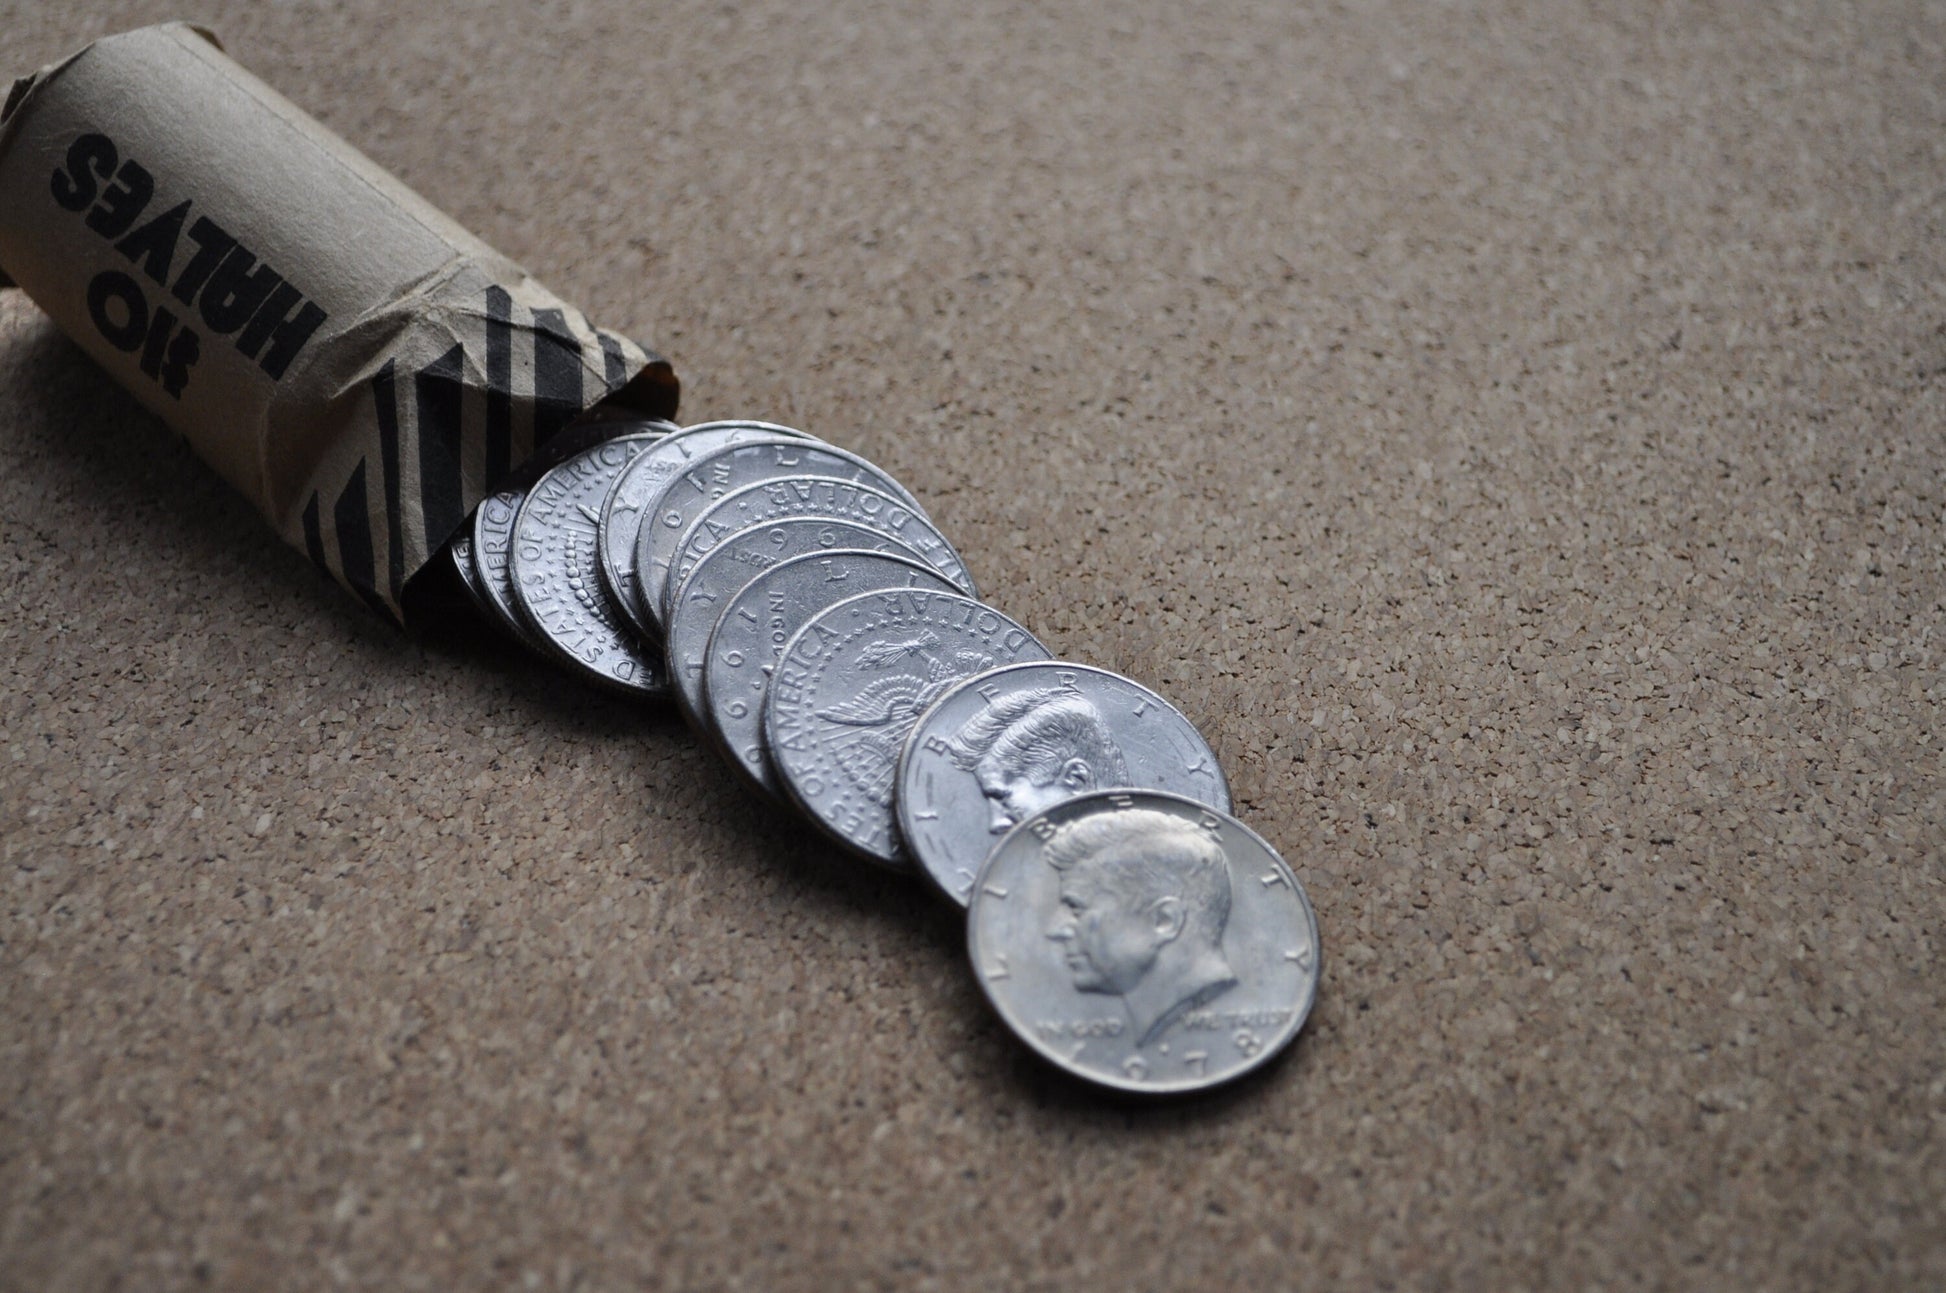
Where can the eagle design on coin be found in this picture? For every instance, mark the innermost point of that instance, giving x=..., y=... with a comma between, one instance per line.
x=884, y=710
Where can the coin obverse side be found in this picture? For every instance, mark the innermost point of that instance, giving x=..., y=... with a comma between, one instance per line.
x=734, y=562
x=848, y=689
x=493, y=546
x=1144, y=942
x=1003, y=745
x=557, y=573
x=621, y=511
x=823, y=496
x=760, y=620
x=666, y=521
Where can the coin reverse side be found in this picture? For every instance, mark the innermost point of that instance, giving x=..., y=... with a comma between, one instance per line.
x=759, y=620
x=556, y=571
x=850, y=686
x=622, y=510
x=493, y=545
x=1003, y=745
x=668, y=516
x=734, y=562
x=832, y=496
x=1144, y=942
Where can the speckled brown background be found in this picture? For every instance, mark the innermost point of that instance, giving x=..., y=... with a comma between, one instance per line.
x=1515, y=432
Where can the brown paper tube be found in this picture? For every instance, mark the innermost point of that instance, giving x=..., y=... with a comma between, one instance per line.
x=359, y=366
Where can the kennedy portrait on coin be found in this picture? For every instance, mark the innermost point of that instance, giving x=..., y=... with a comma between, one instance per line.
x=1145, y=898
x=1034, y=749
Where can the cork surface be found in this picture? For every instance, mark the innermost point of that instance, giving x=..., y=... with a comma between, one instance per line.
x=1515, y=433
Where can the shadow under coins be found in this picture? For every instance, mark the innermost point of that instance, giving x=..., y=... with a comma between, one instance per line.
x=79, y=431
x=125, y=462
x=81, y=437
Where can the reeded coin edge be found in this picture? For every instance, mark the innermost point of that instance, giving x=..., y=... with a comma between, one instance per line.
x=897, y=493
x=611, y=578
x=650, y=592
x=673, y=588
x=655, y=599
x=507, y=612
x=459, y=554
x=669, y=643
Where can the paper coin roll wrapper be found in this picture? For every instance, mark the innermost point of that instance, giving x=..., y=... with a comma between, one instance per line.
x=357, y=364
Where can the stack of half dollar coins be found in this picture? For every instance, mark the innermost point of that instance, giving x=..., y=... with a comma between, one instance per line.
x=816, y=628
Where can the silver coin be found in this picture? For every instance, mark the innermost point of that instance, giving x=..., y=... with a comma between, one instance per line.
x=848, y=689
x=1144, y=941
x=493, y=545
x=609, y=546
x=1001, y=746
x=761, y=618
x=690, y=492
x=557, y=573
x=459, y=552
x=734, y=562
x=621, y=511
x=824, y=496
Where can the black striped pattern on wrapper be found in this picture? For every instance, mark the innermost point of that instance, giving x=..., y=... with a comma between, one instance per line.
x=454, y=414
x=354, y=362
